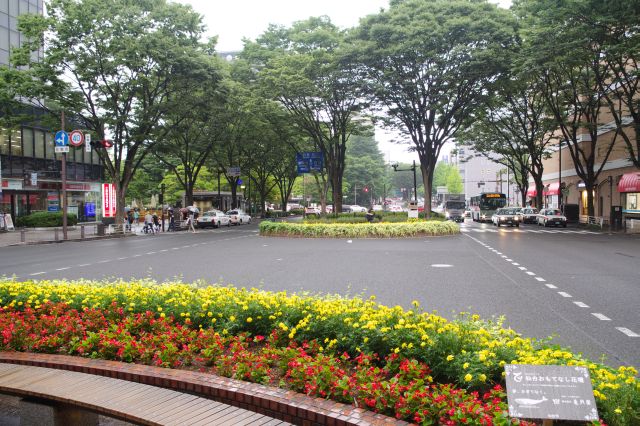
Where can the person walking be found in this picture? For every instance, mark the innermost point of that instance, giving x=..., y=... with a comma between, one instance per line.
x=192, y=217
x=148, y=223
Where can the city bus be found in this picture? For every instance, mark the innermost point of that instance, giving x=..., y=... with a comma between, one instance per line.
x=483, y=206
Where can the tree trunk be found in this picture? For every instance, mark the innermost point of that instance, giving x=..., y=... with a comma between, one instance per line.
x=426, y=170
x=590, y=207
x=336, y=189
x=120, y=203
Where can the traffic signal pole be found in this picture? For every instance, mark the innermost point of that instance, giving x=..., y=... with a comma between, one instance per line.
x=64, y=185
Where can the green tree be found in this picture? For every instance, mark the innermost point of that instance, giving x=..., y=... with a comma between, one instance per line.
x=303, y=68
x=448, y=175
x=110, y=65
x=515, y=130
x=570, y=67
x=364, y=168
x=428, y=63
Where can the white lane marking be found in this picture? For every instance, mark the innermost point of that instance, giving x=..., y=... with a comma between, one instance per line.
x=265, y=245
x=122, y=258
x=151, y=252
x=497, y=252
x=627, y=332
x=522, y=268
x=105, y=261
x=278, y=259
x=349, y=241
x=551, y=286
x=62, y=269
x=582, y=305
x=509, y=260
x=503, y=256
x=564, y=294
x=83, y=265
x=515, y=264
x=186, y=246
x=38, y=273
x=530, y=273
x=137, y=255
x=540, y=279
x=601, y=317
x=441, y=265
x=175, y=248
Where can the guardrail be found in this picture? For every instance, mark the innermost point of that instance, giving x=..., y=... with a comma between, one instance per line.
x=592, y=220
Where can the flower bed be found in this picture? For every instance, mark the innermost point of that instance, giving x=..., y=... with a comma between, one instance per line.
x=415, y=228
x=407, y=363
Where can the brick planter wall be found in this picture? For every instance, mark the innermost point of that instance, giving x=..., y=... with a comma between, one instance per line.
x=285, y=405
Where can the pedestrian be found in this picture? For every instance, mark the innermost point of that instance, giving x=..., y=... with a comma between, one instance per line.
x=172, y=220
x=136, y=217
x=148, y=222
x=156, y=222
x=192, y=217
x=369, y=216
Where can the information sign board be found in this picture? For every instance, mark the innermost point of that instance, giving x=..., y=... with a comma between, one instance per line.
x=60, y=149
x=87, y=139
x=34, y=178
x=557, y=392
x=309, y=162
x=233, y=171
x=108, y=200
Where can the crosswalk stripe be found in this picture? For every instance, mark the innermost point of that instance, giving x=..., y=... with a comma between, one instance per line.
x=531, y=231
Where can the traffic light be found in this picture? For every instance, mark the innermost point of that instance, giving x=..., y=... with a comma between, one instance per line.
x=366, y=189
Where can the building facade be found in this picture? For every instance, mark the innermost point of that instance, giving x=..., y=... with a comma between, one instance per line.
x=30, y=170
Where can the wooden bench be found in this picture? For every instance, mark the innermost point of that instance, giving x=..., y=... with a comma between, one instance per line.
x=202, y=389
x=79, y=397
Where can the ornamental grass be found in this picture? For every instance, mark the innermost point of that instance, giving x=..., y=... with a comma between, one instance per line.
x=409, y=364
x=411, y=228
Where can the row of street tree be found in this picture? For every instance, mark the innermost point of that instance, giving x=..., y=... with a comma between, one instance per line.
x=138, y=73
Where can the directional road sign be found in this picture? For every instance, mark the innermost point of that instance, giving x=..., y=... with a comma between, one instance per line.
x=61, y=138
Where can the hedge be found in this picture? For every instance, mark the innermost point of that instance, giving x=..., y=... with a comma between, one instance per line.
x=413, y=228
x=45, y=220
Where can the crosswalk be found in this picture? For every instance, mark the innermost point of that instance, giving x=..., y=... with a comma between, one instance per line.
x=471, y=229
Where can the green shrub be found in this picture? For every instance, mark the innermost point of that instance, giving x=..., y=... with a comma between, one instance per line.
x=296, y=211
x=45, y=220
x=412, y=228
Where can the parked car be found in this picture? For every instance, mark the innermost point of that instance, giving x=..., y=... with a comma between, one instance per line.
x=213, y=218
x=395, y=208
x=357, y=209
x=312, y=211
x=506, y=216
x=529, y=215
x=377, y=207
x=549, y=217
x=238, y=217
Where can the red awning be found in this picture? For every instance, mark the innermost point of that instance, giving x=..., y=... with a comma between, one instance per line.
x=553, y=189
x=531, y=192
x=630, y=182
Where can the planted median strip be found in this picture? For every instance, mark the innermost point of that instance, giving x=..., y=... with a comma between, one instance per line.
x=410, y=364
x=418, y=228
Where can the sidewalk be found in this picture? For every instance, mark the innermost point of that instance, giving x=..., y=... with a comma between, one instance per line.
x=54, y=235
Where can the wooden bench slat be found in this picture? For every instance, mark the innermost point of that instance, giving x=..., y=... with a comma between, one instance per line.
x=131, y=401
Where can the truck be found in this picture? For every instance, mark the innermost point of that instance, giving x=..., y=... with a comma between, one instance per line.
x=454, y=206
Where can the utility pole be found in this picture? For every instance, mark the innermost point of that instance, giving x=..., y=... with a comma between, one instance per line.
x=64, y=185
x=415, y=181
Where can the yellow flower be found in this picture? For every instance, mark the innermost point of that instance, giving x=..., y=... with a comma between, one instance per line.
x=450, y=358
x=617, y=411
x=465, y=365
x=468, y=377
x=249, y=319
x=482, y=378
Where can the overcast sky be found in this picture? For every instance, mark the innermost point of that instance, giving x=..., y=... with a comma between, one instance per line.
x=233, y=20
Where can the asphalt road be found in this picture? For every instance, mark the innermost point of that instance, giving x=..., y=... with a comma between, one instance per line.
x=582, y=287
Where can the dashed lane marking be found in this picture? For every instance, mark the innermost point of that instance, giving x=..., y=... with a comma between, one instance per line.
x=551, y=286
x=627, y=332
x=564, y=294
x=522, y=268
x=63, y=269
x=82, y=265
x=600, y=316
x=530, y=273
x=581, y=304
x=515, y=264
x=540, y=279
x=38, y=273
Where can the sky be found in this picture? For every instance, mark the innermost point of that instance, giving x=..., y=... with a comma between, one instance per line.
x=233, y=20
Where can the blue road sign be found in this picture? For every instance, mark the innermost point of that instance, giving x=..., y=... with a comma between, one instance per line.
x=309, y=162
x=61, y=138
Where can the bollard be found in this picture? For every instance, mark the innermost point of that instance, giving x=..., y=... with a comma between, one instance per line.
x=82, y=232
x=23, y=235
x=56, y=234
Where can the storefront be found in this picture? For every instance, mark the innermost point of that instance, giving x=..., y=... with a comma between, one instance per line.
x=552, y=195
x=531, y=195
x=629, y=189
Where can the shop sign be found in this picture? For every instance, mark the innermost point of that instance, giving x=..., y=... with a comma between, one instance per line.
x=90, y=209
x=108, y=200
x=34, y=179
x=53, y=202
x=557, y=392
x=14, y=185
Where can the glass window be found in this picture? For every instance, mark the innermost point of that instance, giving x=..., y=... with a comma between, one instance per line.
x=4, y=54
x=4, y=6
x=4, y=141
x=95, y=156
x=13, y=7
x=14, y=37
x=16, y=143
x=632, y=201
x=39, y=150
x=27, y=142
x=49, y=146
x=24, y=6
